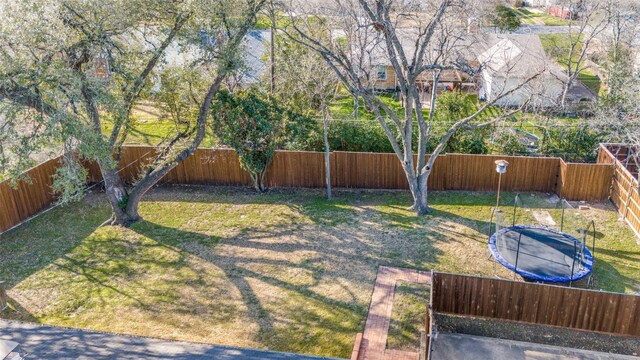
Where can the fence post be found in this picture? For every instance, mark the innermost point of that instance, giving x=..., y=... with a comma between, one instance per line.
x=626, y=203
x=3, y=297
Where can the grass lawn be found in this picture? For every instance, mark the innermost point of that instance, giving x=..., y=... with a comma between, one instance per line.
x=150, y=128
x=539, y=18
x=407, y=316
x=590, y=80
x=342, y=108
x=287, y=270
x=557, y=47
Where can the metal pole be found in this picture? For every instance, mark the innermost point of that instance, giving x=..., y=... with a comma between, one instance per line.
x=515, y=207
x=593, y=251
x=515, y=270
x=575, y=249
x=562, y=217
x=498, y=197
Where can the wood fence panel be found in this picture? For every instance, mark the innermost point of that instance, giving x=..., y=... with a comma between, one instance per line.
x=369, y=171
x=297, y=169
x=29, y=197
x=349, y=170
x=536, y=303
x=585, y=181
x=477, y=173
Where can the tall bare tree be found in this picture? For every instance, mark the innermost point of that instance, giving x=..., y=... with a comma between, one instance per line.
x=72, y=71
x=420, y=41
x=309, y=85
x=587, y=20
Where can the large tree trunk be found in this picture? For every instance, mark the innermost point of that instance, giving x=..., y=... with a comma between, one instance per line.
x=565, y=93
x=419, y=193
x=418, y=188
x=117, y=196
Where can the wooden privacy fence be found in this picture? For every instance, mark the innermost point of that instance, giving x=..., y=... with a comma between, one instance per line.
x=382, y=171
x=3, y=297
x=535, y=303
x=29, y=198
x=624, y=185
x=348, y=170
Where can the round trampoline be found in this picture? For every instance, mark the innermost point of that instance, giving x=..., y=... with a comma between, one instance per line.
x=541, y=254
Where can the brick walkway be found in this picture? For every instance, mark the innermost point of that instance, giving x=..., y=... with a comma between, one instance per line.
x=374, y=338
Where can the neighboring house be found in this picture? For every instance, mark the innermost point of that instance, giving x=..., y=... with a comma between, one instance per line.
x=384, y=77
x=510, y=61
x=505, y=62
x=255, y=49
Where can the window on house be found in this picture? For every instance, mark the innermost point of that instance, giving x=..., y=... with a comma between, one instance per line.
x=382, y=73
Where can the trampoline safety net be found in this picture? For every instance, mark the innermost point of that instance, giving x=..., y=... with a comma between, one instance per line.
x=546, y=242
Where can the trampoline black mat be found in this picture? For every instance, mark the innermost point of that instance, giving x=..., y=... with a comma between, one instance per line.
x=544, y=254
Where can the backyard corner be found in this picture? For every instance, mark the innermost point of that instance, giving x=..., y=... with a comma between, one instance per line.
x=287, y=270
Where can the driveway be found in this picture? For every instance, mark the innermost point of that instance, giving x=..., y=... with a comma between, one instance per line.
x=55, y=343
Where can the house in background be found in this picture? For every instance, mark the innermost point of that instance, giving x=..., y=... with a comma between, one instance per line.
x=511, y=61
x=505, y=62
x=254, y=47
x=385, y=80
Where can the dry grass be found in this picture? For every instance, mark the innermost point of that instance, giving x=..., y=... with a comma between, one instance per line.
x=287, y=270
x=407, y=316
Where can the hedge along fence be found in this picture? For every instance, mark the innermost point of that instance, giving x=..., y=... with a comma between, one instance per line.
x=348, y=170
x=535, y=303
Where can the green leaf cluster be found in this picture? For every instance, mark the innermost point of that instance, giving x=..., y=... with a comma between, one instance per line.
x=255, y=126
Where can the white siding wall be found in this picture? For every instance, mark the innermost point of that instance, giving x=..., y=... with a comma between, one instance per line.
x=544, y=92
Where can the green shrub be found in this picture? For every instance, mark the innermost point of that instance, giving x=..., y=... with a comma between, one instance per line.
x=255, y=126
x=575, y=144
x=506, y=19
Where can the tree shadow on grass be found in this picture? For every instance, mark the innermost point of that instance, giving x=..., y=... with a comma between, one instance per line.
x=43, y=240
x=253, y=265
x=326, y=255
x=305, y=281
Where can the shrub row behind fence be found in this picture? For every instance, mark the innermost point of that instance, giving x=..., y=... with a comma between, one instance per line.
x=348, y=170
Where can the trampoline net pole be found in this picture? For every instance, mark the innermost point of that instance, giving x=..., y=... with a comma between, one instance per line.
x=575, y=253
x=515, y=270
x=515, y=209
x=562, y=216
x=491, y=224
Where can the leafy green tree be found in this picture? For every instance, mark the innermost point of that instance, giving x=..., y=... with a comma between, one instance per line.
x=255, y=126
x=455, y=105
x=506, y=19
x=509, y=142
x=71, y=72
x=576, y=144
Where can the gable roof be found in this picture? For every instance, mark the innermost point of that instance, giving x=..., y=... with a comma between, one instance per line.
x=513, y=55
x=519, y=56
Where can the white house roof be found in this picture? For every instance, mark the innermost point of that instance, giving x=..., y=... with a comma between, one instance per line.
x=511, y=55
x=518, y=56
